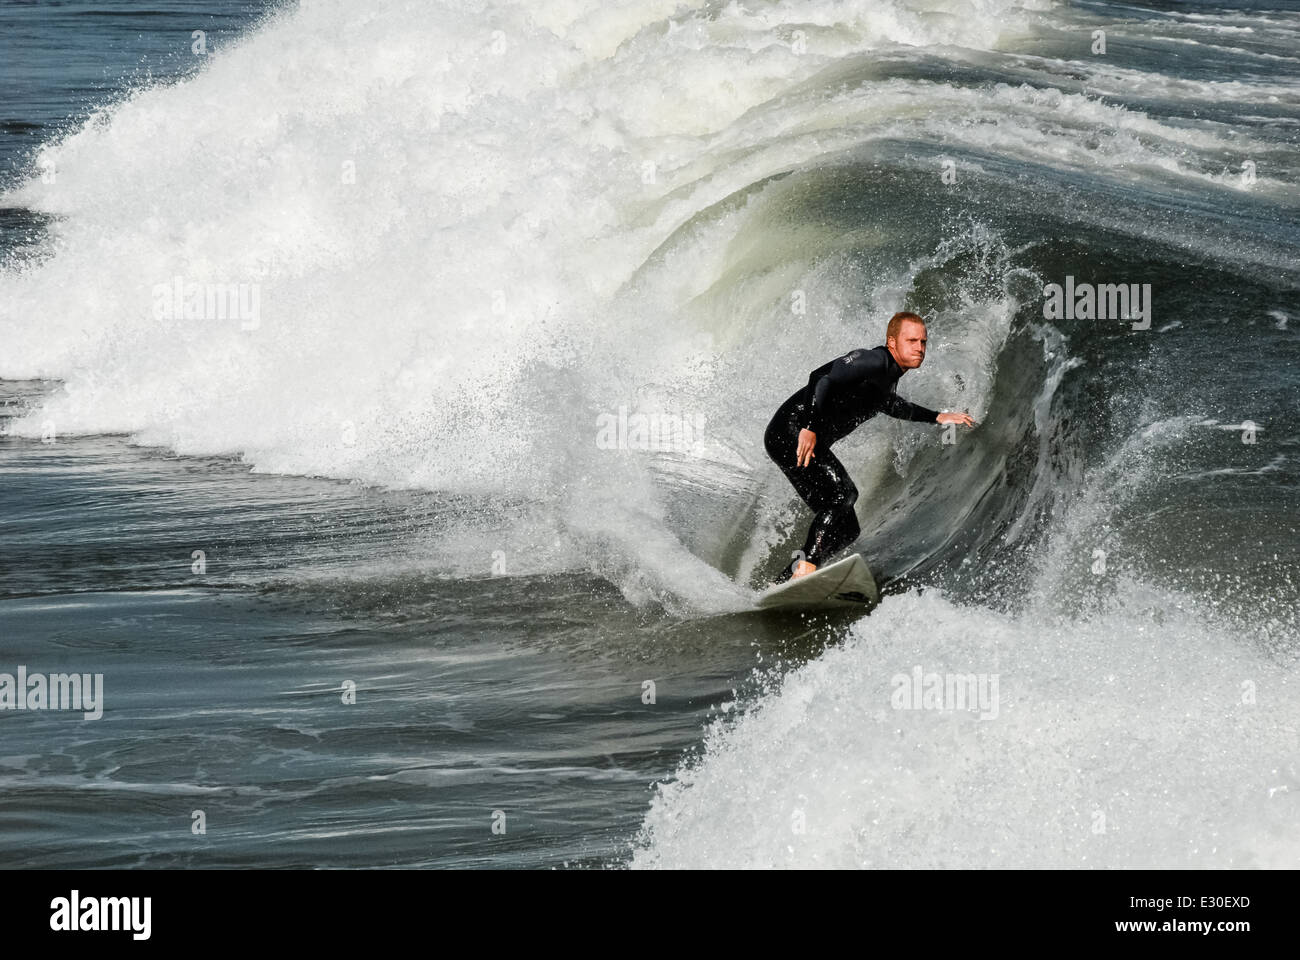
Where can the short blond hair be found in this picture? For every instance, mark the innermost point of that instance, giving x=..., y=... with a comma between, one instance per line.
x=896, y=323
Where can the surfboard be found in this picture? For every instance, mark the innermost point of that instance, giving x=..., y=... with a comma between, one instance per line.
x=842, y=584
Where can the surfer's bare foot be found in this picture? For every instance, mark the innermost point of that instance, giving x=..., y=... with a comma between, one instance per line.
x=803, y=568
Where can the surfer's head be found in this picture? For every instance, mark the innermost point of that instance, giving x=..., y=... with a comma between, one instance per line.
x=905, y=338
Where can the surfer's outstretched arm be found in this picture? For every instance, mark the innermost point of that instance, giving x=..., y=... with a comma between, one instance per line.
x=901, y=409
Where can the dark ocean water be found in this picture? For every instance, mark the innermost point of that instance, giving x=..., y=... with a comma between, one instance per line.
x=366, y=587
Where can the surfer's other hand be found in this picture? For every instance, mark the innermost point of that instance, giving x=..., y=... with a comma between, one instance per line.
x=962, y=418
x=807, y=440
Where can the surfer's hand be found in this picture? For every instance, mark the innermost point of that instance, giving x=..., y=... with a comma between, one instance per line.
x=962, y=418
x=807, y=440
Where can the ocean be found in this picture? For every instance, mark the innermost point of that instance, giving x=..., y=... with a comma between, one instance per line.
x=382, y=392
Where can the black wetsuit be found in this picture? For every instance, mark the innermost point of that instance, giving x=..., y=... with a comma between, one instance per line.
x=838, y=397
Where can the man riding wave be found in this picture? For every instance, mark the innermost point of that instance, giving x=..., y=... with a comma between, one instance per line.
x=838, y=397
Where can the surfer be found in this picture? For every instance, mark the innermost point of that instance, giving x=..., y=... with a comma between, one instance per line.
x=839, y=396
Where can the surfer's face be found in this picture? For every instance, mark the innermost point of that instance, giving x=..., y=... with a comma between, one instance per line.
x=909, y=346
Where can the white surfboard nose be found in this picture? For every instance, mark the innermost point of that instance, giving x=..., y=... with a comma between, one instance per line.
x=844, y=583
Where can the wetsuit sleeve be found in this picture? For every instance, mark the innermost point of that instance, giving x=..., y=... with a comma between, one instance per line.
x=858, y=367
x=841, y=375
x=901, y=409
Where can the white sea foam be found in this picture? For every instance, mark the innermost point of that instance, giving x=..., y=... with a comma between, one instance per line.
x=1140, y=736
x=500, y=155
